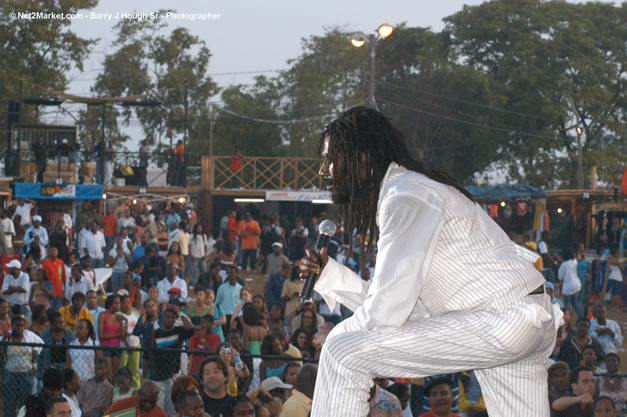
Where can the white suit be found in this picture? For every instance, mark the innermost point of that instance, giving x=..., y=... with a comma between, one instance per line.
x=450, y=294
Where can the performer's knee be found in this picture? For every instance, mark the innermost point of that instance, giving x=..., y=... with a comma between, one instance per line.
x=343, y=347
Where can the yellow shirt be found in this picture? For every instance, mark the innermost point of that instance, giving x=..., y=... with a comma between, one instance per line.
x=289, y=288
x=71, y=319
x=298, y=405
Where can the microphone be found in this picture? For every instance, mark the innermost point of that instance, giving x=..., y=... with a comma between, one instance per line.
x=326, y=231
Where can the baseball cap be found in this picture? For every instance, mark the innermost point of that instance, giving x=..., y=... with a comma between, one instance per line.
x=176, y=291
x=531, y=245
x=37, y=218
x=277, y=244
x=274, y=382
x=14, y=264
x=549, y=285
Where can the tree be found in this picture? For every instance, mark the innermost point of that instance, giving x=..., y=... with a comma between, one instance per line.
x=233, y=133
x=38, y=51
x=169, y=68
x=542, y=54
x=427, y=96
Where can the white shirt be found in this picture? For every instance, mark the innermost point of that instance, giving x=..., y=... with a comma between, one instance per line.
x=40, y=231
x=9, y=231
x=199, y=246
x=83, y=360
x=438, y=253
x=23, y=281
x=72, y=287
x=119, y=264
x=76, y=409
x=609, y=344
x=92, y=245
x=542, y=248
x=164, y=286
x=29, y=337
x=24, y=211
x=567, y=273
x=126, y=222
x=68, y=223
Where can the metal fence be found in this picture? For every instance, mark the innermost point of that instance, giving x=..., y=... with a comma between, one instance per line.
x=73, y=167
x=22, y=371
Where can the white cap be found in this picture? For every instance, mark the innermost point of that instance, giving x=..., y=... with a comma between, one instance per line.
x=279, y=244
x=274, y=382
x=122, y=292
x=36, y=218
x=14, y=264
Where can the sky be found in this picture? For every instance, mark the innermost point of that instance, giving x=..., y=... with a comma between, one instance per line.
x=246, y=38
x=250, y=36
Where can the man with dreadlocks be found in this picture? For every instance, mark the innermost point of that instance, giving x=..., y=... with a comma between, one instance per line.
x=451, y=291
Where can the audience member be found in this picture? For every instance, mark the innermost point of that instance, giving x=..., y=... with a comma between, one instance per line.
x=605, y=331
x=440, y=394
x=96, y=394
x=144, y=404
x=580, y=403
x=214, y=374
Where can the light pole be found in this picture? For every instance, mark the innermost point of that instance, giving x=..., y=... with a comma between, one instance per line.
x=358, y=41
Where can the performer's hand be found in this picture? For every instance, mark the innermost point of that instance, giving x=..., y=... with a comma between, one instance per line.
x=311, y=263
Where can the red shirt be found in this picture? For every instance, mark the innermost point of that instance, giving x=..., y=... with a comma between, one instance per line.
x=230, y=226
x=236, y=161
x=208, y=344
x=180, y=150
x=108, y=224
x=56, y=274
x=131, y=402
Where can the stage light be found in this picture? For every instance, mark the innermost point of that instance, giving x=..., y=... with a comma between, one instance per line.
x=104, y=196
x=249, y=200
x=559, y=210
x=134, y=201
x=182, y=200
x=503, y=203
x=322, y=201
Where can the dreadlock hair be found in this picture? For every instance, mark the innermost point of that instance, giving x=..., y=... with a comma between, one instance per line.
x=366, y=142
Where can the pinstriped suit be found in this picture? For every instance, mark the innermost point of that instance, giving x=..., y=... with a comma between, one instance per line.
x=450, y=293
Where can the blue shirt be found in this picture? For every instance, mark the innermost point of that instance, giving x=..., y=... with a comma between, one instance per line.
x=138, y=253
x=172, y=219
x=274, y=287
x=228, y=297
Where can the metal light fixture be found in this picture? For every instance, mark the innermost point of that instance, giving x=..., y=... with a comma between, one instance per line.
x=249, y=200
x=358, y=42
x=385, y=30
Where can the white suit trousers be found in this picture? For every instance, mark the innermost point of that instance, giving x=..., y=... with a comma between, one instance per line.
x=508, y=350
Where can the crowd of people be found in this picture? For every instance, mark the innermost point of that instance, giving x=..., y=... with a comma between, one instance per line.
x=176, y=330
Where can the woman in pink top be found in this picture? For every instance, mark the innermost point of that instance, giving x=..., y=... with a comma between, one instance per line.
x=111, y=330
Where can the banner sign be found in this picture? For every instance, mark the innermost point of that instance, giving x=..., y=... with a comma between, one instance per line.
x=297, y=195
x=58, y=191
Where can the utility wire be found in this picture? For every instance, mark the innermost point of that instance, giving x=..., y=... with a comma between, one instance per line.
x=466, y=122
x=485, y=106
